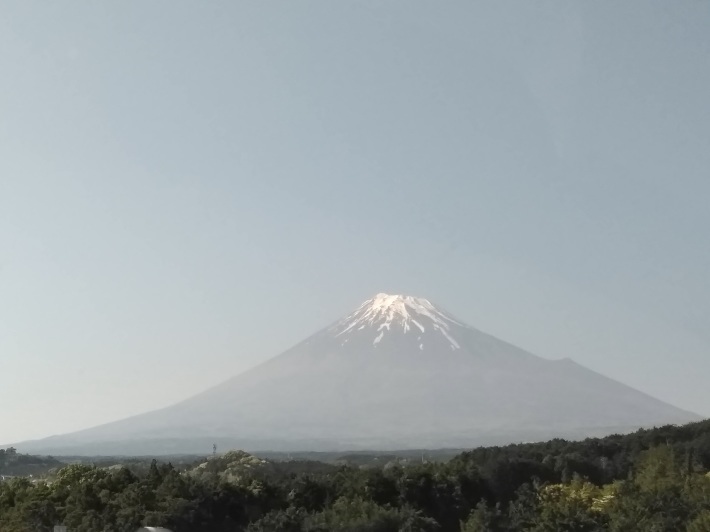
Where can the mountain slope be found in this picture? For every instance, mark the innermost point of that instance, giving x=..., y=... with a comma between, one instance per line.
x=396, y=373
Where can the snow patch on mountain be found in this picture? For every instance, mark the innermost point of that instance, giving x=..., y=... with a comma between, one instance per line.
x=396, y=312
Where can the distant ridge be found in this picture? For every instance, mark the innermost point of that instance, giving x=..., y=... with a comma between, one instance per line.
x=397, y=373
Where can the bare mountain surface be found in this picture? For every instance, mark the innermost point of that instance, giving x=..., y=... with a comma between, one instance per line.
x=398, y=373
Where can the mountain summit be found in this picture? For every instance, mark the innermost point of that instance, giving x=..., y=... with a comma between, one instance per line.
x=394, y=314
x=396, y=373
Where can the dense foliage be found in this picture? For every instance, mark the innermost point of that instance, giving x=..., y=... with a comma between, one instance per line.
x=13, y=463
x=652, y=480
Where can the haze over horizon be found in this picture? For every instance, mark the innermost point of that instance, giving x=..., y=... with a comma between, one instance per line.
x=189, y=190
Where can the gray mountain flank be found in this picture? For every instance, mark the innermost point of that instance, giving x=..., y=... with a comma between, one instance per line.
x=398, y=373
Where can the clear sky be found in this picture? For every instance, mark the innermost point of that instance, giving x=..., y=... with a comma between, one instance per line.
x=189, y=188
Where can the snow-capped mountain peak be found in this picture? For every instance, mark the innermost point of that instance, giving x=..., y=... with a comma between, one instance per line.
x=398, y=313
x=397, y=373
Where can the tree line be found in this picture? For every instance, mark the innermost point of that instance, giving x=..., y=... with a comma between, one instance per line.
x=651, y=480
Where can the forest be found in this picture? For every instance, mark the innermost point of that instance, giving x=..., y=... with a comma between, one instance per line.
x=651, y=480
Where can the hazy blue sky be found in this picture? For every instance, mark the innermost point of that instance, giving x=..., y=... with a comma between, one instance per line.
x=188, y=189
